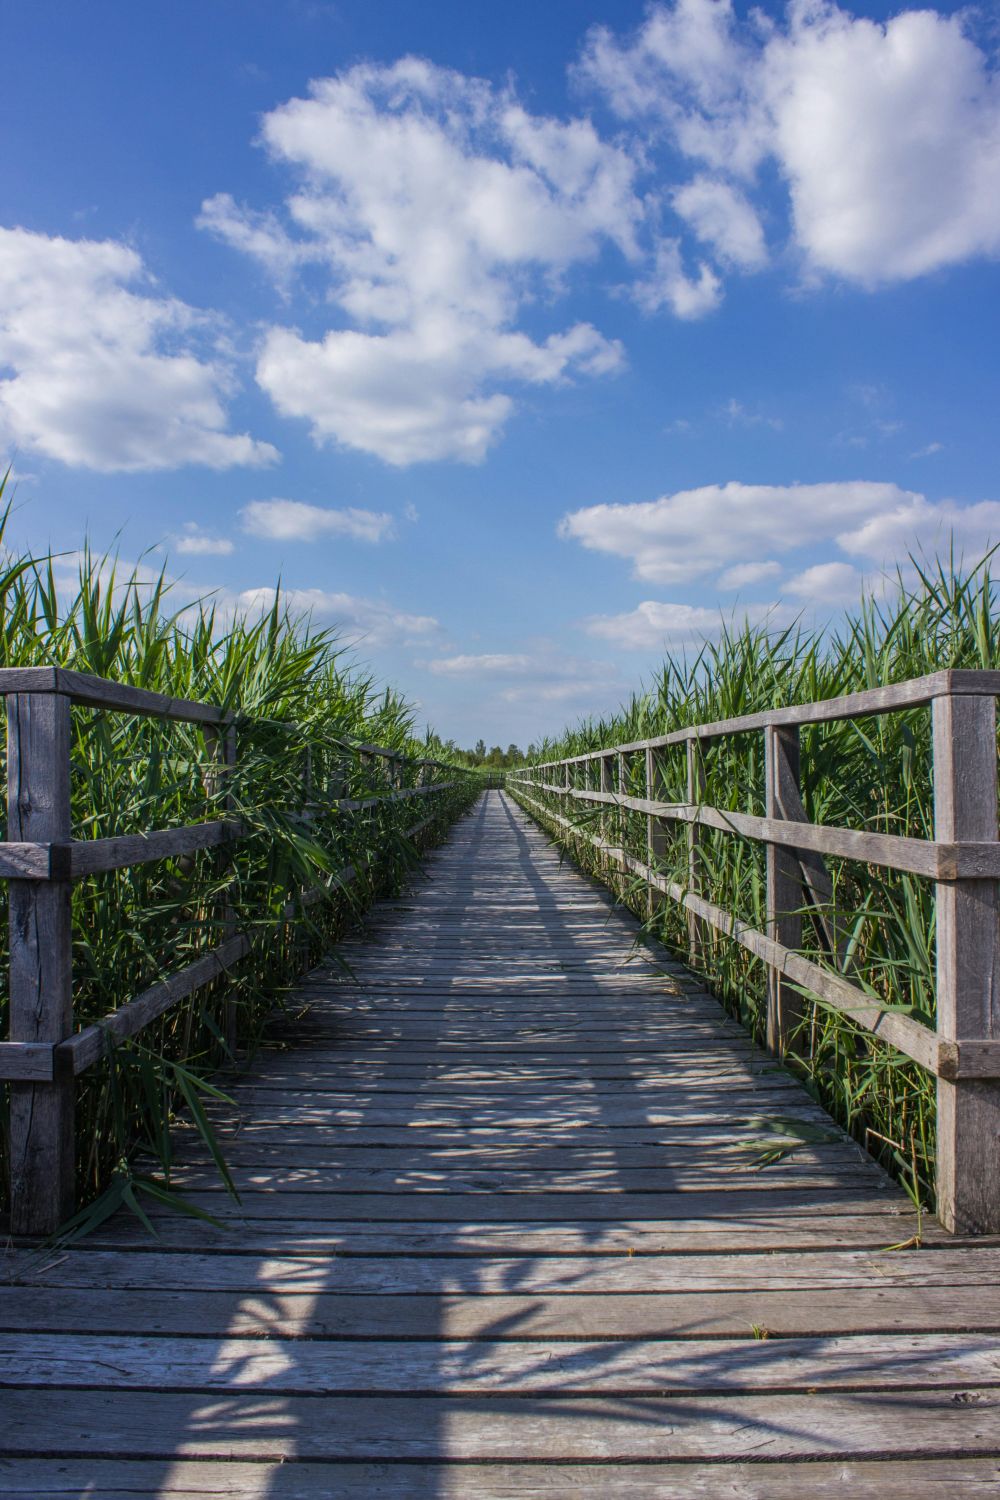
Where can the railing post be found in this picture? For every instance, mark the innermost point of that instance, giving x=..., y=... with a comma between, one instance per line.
x=622, y=820
x=784, y=888
x=656, y=834
x=695, y=796
x=41, y=962
x=220, y=742
x=607, y=817
x=968, y=973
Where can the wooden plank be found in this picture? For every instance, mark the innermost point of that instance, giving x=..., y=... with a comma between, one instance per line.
x=525, y=1207
x=611, y=1181
x=25, y=861
x=94, y=856
x=26, y=1062
x=774, y=1426
x=98, y=692
x=819, y=1270
x=962, y=1478
x=876, y=1226
x=339, y=1080
x=439, y=1366
x=968, y=966
x=41, y=1142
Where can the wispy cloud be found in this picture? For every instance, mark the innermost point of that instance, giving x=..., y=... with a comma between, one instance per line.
x=297, y=521
x=193, y=542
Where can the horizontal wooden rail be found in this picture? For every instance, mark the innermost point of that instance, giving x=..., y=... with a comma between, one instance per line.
x=346, y=805
x=918, y=692
x=97, y=692
x=41, y=860
x=938, y=861
x=963, y=859
x=80, y=857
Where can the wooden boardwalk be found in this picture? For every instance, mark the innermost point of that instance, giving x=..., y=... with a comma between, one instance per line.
x=502, y=1234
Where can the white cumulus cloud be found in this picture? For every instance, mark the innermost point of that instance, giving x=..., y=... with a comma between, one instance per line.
x=691, y=533
x=99, y=370
x=721, y=216
x=827, y=583
x=654, y=624
x=920, y=526
x=297, y=521
x=437, y=206
x=861, y=530
x=886, y=134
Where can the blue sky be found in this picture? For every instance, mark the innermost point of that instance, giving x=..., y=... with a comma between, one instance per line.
x=522, y=342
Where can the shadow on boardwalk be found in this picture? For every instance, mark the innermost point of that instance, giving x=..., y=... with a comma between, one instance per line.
x=500, y=1235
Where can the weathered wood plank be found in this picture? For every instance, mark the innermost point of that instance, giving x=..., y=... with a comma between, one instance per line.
x=526, y=1207
x=940, y=859
x=773, y=1426
x=968, y=965
x=660, y=1367
x=449, y=1314
x=497, y=1275
x=41, y=1141
x=193, y=1479
x=93, y=856
x=98, y=692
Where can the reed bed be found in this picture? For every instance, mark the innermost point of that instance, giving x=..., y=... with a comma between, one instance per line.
x=300, y=710
x=870, y=774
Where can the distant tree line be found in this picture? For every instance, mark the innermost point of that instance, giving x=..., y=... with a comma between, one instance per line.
x=493, y=759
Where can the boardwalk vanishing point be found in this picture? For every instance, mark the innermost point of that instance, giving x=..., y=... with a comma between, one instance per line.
x=504, y=1231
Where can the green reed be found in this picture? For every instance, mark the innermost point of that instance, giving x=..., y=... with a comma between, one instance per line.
x=873, y=773
x=299, y=708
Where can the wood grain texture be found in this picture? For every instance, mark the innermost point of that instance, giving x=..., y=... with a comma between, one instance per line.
x=98, y=692
x=939, y=859
x=41, y=961
x=93, y=856
x=508, y=1428
x=193, y=1479
x=784, y=895
x=968, y=965
x=503, y=1232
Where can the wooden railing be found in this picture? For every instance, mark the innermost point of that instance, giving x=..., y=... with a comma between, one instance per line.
x=41, y=860
x=963, y=859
